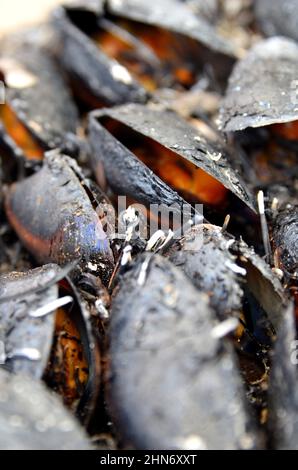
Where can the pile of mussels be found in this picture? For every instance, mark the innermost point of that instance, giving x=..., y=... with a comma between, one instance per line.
x=169, y=338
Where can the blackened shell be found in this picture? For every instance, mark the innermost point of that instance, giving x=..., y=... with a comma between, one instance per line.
x=126, y=174
x=263, y=87
x=40, y=97
x=173, y=385
x=32, y=418
x=54, y=217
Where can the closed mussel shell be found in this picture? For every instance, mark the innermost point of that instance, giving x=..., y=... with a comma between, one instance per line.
x=53, y=215
x=261, y=88
x=278, y=18
x=39, y=111
x=225, y=269
x=32, y=418
x=173, y=384
x=156, y=157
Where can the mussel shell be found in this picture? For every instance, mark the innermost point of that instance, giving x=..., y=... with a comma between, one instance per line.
x=283, y=391
x=204, y=256
x=278, y=17
x=285, y=241
x=36, y=90
x=224, y=268
x=216, y=50
x=88, y=67
x=19, y=284
x=128, y=175
x=20, y=295
x=79, y=314
x=32, y=418
x=172, y=384
x=54, y=217
x=263, y=87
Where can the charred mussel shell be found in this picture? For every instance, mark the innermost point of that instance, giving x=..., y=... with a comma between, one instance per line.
x=169, y=386
x=103, y=78
x=127, y=174
x=212, y=48
x=32, y=418
x=96, y=78
x=32, y=309
x=278, y=18
x=20, y=333
x=262, y=87
x=205, y=257
x=283, y=396
x=224, y=268
x=52, y=213
x=36, y=94
x=74, y=367
x=285, y=241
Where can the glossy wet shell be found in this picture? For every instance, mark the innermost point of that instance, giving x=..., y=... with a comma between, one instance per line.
x=27, y=292
x=87, y=65
x=54, y=217
x=278, y=17
x=204, y=256
x=36, y=90
x=31, y=417
x=126, y=173
x=262, y=88
x=172, y=384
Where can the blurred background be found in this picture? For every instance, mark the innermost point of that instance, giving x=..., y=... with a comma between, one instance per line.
x=17, y=13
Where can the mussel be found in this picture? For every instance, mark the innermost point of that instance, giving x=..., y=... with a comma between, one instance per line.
x=39, y=112
x=262, y=87
x=127, y=49
x=174, y=383
x=225, y=269
x=52, y=212
x=32, y=418
x=46, y=332
x=283, y=418
x=156, y=157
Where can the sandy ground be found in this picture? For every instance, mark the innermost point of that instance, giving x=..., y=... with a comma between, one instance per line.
x=17, y=13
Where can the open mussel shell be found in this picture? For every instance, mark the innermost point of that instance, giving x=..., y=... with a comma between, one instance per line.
x=27, y=340
x=96, y=78
x=39, y=111
x=283, y=392
x=173, y=384
x=132, y=140
x=186, y=26
x=32, y=418
x=74, y=368
x=46, y=332
x=52, y=212
x=278, y=17
x=262, y=87
x=115, y=56
x=226, y=270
